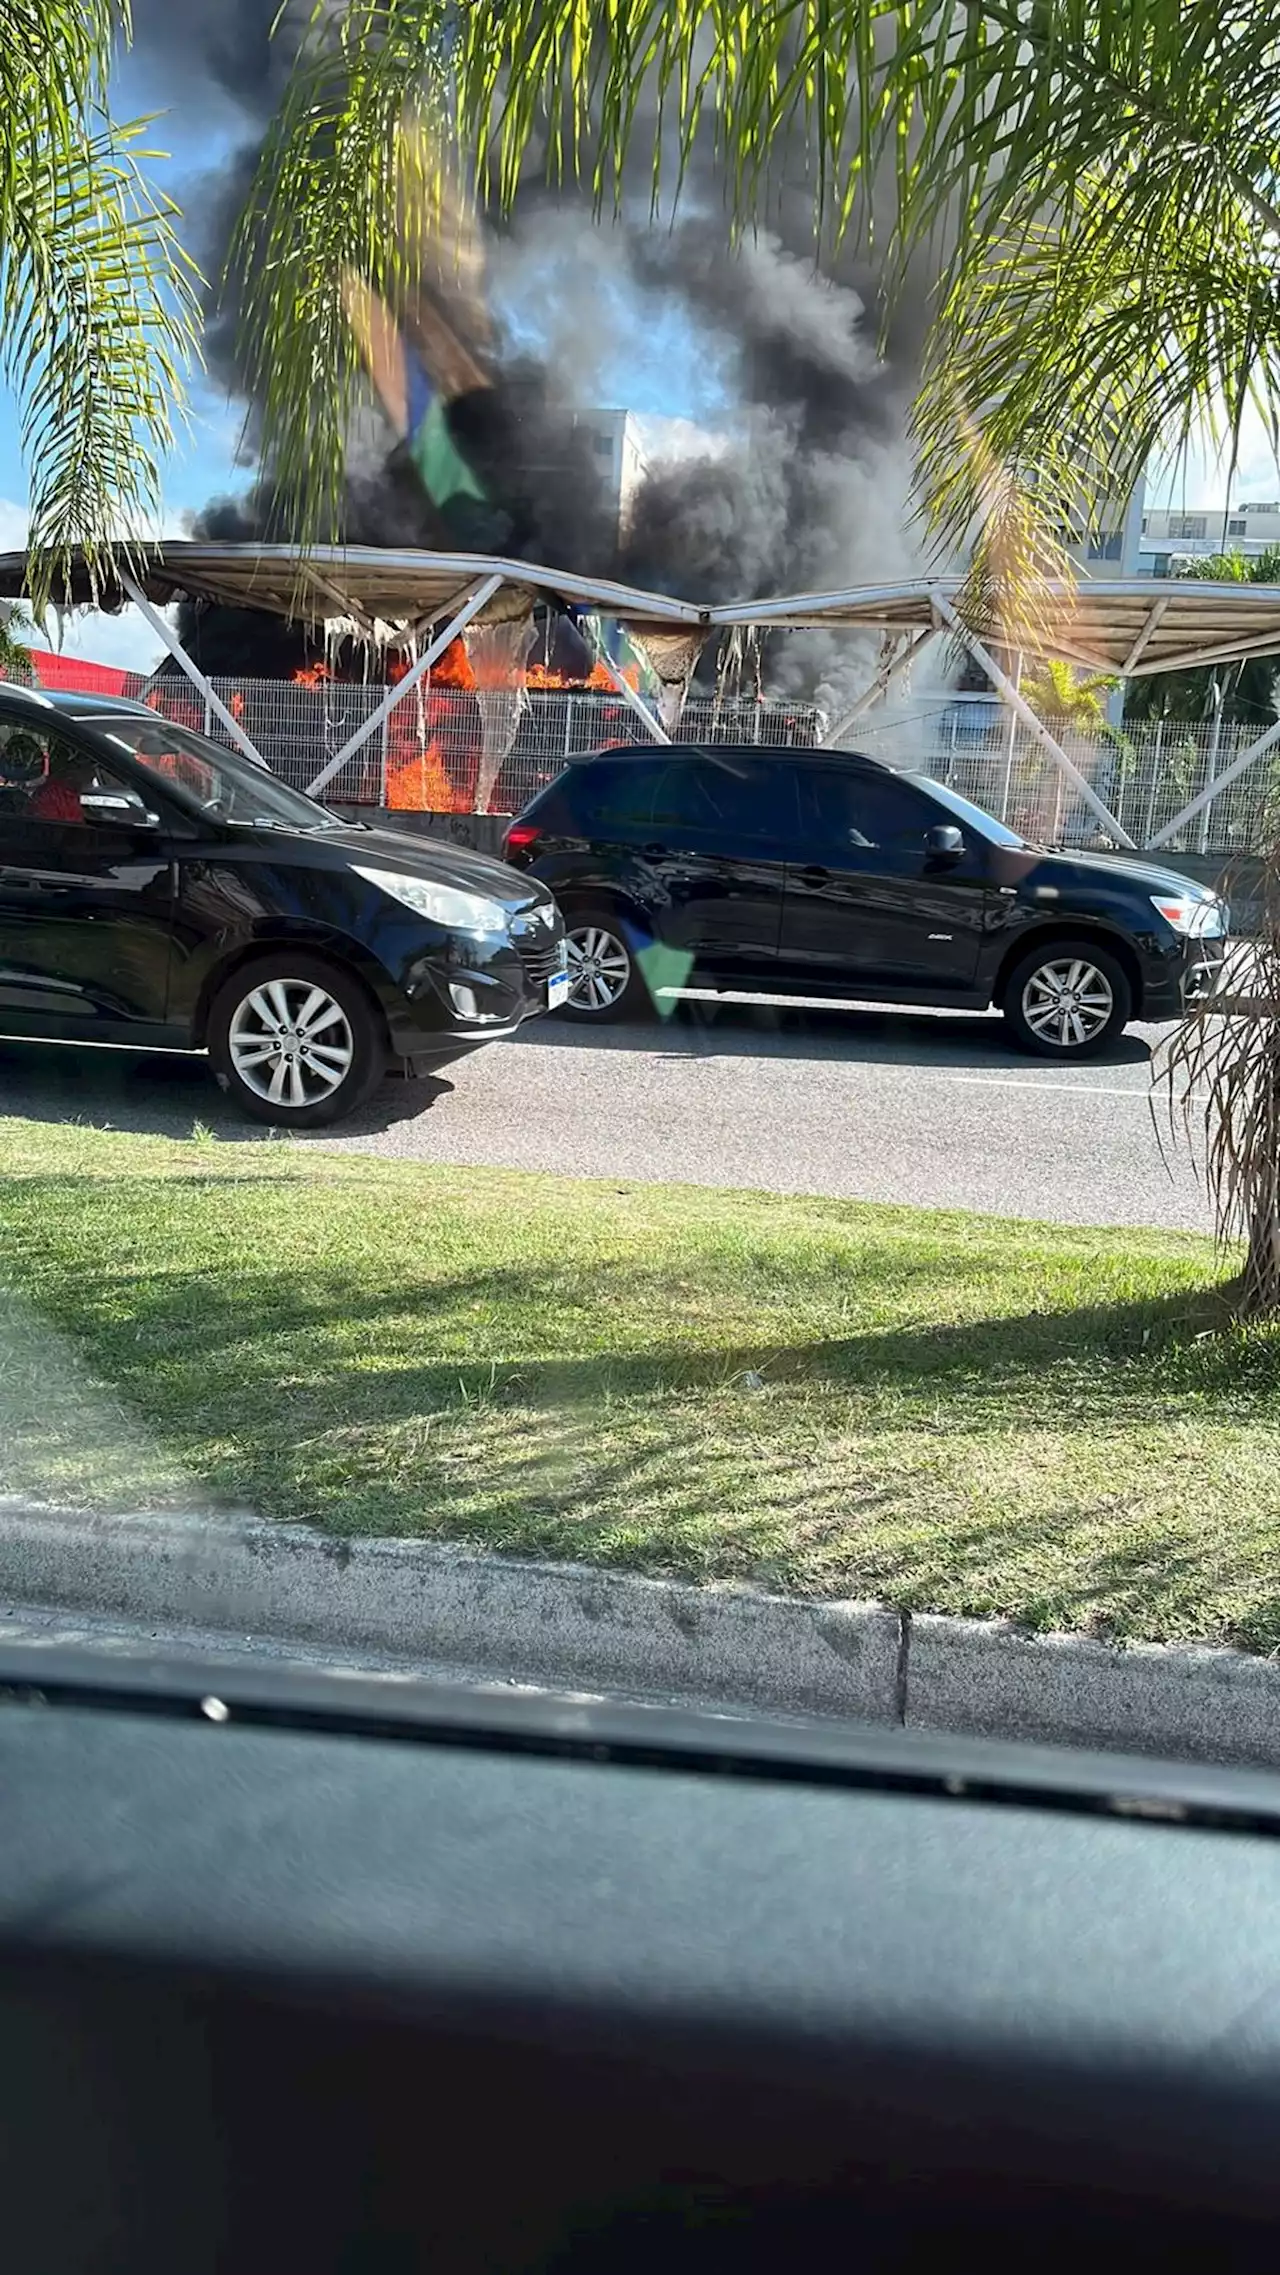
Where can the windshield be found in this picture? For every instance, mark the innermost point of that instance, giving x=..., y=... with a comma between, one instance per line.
x=996, y=833
x=210, y=780
x=703, y=1160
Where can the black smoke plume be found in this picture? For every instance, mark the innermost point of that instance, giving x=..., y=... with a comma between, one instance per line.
x=808, y=489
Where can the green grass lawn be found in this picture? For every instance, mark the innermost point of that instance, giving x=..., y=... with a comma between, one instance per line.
x=950, y=1412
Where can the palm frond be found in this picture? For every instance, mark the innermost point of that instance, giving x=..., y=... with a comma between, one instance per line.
x=96, y=297
x=351, y=182
x=1218, y=1079
x=55, y=58
x=1096, y=185
x=98, y=308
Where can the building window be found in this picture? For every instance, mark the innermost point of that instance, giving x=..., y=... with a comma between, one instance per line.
x=1188, y=525
x=1106, y=547
x=1236, y=528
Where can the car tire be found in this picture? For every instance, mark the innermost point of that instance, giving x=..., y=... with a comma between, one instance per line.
x=1068, y=999
x=596, y=936
x=255, y=1006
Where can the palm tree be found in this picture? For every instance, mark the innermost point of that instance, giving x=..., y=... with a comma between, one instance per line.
x=15, y=652
x=1073, y=702
x=97, y=301
x=1241, y=693
x=1061, y=696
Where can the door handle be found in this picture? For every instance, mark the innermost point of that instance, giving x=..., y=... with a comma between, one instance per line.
x=811, y=874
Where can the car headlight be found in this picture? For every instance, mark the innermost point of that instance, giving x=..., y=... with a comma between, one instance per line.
x=1199, y=919
x=446, y=905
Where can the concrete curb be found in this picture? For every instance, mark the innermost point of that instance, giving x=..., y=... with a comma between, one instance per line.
x=569, y=1626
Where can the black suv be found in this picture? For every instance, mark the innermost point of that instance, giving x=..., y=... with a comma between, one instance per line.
x=159, y=891
x=817, y=873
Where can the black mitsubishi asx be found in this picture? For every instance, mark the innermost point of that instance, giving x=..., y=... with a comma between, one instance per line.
x=809, y=873
x=159, y=891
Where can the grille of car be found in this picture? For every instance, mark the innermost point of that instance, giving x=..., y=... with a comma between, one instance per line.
x=540, y=959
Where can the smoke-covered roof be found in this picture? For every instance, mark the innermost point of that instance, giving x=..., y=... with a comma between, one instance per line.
x=1134, y=625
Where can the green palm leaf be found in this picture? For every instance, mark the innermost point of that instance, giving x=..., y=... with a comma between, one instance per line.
x=96, y=298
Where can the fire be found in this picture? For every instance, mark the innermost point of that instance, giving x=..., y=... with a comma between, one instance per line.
x=541, y=678
x=312, y=675
x=419, y=782
x=236, y=705
x=454, y=668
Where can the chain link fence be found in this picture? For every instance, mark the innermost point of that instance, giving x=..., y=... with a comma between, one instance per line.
x=429, y=754
x=436, y=753
x=1145, y=774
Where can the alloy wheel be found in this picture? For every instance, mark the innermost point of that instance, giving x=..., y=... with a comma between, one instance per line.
x=291, y=1043
x=1067, y=1002
x=599, y=968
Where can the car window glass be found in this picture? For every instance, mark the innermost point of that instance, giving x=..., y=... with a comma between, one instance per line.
x=44, y=777
x=620, y=796
x=739, y=798
x=862, y=810
x=206, y=779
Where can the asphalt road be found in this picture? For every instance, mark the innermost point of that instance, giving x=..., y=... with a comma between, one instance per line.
x=918, y=1107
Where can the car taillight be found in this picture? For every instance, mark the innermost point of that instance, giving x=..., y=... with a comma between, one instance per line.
x=521, y=836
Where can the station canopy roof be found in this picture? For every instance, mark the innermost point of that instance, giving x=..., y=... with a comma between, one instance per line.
x=1133, y=625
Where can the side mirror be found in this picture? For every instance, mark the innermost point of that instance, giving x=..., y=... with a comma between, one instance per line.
x=103, y=806
x=944, y=842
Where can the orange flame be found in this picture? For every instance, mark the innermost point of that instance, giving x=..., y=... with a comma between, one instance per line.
x=454, y=668
x=312, y=675
x=419, y=782
x=540, y=676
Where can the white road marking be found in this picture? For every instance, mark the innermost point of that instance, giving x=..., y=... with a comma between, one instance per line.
x=1011, y=1082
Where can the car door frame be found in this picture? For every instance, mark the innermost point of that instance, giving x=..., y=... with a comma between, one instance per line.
x=888, y=894
x=58, y=841
x=750, y=868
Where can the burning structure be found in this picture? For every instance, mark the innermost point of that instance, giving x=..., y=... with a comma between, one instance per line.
x=493, y=452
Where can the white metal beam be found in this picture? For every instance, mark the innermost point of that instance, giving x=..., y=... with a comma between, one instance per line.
x=197, y=678
x=339, y=606
x=1230, y=651
x=1144, y=635
x=879, y=686
x=1212, y=790
x=628, y=692
x=1017, y=702
x=478, y=597
x=1073, y=653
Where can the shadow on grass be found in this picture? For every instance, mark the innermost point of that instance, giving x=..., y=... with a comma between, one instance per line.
x=682, y=1416
x=525, y=1327
x=552, y=1337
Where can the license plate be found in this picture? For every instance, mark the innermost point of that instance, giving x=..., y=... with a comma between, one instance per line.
x=557, y=990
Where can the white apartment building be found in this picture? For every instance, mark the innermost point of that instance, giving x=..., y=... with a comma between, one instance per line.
x=615, y=445
x=1182, y=533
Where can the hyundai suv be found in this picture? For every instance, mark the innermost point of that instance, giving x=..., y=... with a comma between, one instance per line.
x=828, y=874
x=160, y=892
